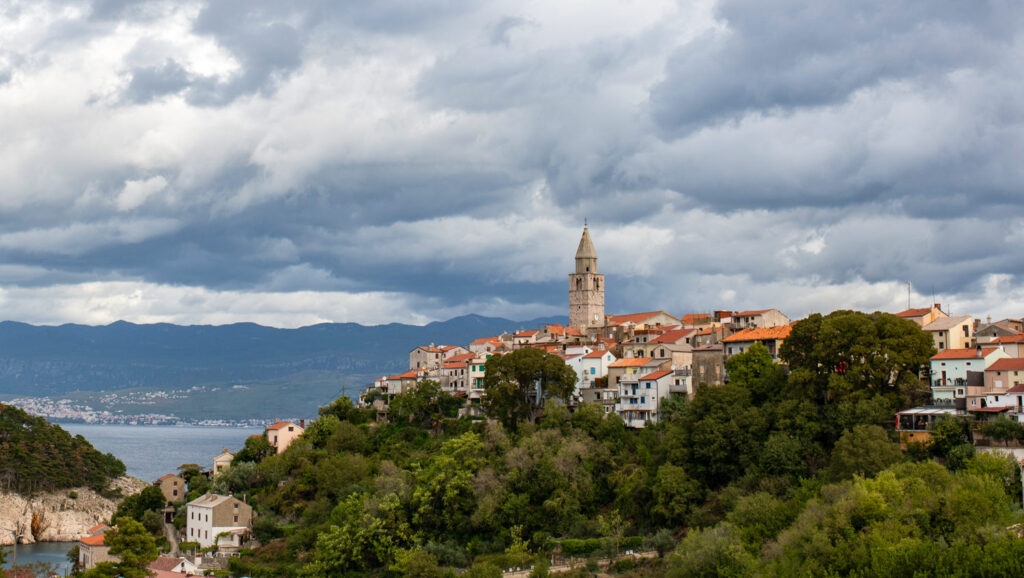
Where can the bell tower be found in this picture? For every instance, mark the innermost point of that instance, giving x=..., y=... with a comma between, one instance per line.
x=586, y=287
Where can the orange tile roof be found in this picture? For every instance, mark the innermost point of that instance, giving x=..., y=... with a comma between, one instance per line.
x=918, y=312
x=573, y=331
x=96, y=540
x=1011, y=364
x=631, y=362
x=280, y=425
x=462, y=357
x=595, y=354
x=674, y=336
x=529, y=333
x=692, y=318
x=484, y=340
x=99, y=527
x=751, y=313
x=454, y=365
x=966, y=353
x=760, y=333
x=429, y=349
x=656, y=375
x=160, y=479
x=164, y=563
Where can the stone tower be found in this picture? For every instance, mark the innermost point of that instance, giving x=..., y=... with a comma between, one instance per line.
x=586, y=287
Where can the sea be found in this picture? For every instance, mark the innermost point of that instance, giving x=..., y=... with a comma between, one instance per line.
x=148, y=452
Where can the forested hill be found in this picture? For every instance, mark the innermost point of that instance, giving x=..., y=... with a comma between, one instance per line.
x=36, y=455
x=53, y=360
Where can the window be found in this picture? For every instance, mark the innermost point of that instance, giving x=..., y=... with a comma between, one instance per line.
x=174, y=493
x=593, y=370
x=236, y=519
x=648, y=386
x=942, y=345
x=290, y=428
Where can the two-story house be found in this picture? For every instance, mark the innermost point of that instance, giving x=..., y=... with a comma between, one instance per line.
x=758, y=318
x=952, y=332
x=172, y=487
x=770, y=337
x=922, y=315
x=283, y=433
x=595, y=364
x=216, y=519
x=640, y=400
x=950, y=367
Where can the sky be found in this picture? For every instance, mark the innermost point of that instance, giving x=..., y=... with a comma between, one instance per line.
x=291, y=163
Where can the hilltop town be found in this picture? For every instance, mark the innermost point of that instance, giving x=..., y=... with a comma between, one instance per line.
x=629, y=363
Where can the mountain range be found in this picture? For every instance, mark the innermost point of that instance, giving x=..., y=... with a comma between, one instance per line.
x=57, y=360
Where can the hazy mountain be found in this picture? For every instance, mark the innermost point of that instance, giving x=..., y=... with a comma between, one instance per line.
x=53, y=360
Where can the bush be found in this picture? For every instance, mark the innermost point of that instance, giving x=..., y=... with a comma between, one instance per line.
x=623, y=565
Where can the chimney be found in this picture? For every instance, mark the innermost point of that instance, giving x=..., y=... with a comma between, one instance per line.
x=988, y=319
x=937, y=306
x=302, y=423
x=979, y=351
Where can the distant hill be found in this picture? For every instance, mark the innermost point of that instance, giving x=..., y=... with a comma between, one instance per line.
x=56, y=360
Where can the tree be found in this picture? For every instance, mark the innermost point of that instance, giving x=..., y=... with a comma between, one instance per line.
x=134, y=507
x=1003, y=429
x=848, y=352
x=863, y=451
x=255, y=449
x=518, y=383
x=135, y=546
x=757, y=371
x=425, y=405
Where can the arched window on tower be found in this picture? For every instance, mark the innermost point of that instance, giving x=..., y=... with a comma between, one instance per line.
x=597, y=284
x=579, y=284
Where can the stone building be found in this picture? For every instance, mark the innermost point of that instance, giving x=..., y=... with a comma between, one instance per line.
x=586, y=287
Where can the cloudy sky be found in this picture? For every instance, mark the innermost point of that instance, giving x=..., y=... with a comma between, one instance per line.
x=290, y=163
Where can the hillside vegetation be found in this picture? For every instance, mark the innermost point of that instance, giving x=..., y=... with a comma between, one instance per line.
x=775, y=474
x=36, y=455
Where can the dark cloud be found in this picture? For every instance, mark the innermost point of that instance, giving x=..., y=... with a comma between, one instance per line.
x=156, y=81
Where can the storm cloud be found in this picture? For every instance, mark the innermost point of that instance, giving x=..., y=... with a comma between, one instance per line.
x=297, y=162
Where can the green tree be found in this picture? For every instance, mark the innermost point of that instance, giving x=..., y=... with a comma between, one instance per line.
x=134, y=545
x=343, y=409
x=518, y=383
x=1003, y=429
x=849, y=353
x=424, y=405
x=675, y=493
x=150, y=499
x=863, y=451
x=255, y=450
x=757, y=371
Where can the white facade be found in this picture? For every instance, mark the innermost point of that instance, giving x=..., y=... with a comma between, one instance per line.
x=594, y=365
x=214, y=518
x=640, y=399
x=949, y=370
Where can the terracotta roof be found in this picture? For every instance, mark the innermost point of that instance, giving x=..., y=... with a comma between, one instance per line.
x=428, y=349
x=1016, y=389
x=966, y=353
x=99, y=527
x=484, y=340
x=631, y=362
x=411, y=374
x=280, y=425
x=918, y=312
x=573, y=331
x=1011, y=364
x=692, y=318
x=529, y=333
x=1008, y=339
x=991, y=409
x=455, y=365
x=760, y=333
x=708, y=331
x=595, y=354
x=162, y=478
x=656, y=375
x=96, y=540
x=674, y=336
x=751, y=313
x=461, y=357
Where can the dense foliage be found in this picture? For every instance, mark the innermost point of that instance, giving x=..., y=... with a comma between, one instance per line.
x=773, y=474
x=36, y=455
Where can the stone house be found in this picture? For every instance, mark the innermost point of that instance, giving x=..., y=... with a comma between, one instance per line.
x=708, y=365
x=92, y=549
x=172, y=486
x=425, y=356
x=222, y=461
x=215, y=519
x=758, y=319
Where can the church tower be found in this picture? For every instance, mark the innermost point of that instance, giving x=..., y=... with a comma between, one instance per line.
x=586, y=287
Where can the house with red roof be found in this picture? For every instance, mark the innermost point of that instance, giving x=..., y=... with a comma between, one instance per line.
x=283, y=433
x=167, y=567
x=631, y=368
x=172, y=486
x=640, y=400
x=93, y=549
x=922, y=315
x=1013, y=345
x=1000, y=377
x=989, y=332
x=594, y=365
x=952, y=332
x=485, y=345
x=770, y=337
x=951, y=369
x=643, y=320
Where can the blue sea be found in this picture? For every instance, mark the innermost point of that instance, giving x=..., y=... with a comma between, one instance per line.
x=149, y=452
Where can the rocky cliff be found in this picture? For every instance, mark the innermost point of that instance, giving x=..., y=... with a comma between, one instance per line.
x=61, y=516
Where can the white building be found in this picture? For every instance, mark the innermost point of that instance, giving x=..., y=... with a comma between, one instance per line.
x=949, y=370
x=594, y=365
x=640, y=400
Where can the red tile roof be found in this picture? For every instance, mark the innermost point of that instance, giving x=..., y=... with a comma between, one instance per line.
x=428, y=349
x=99, y=527
x=484, y=341
x=752, y=313
x=1008, y=339
x=96, y=540
x=411, y=374
x=991, y=409
x=694, y=318
x=1016, y=389
x=966, y=353
x=595, y=354
x=454, y=365
x=280, y=425
x=760, y=333
x=165, y=563
x=462, y=357
x=656, y=375
x=631, y=362
x=918, y=312
x=1011, y=364
x=674, y=336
